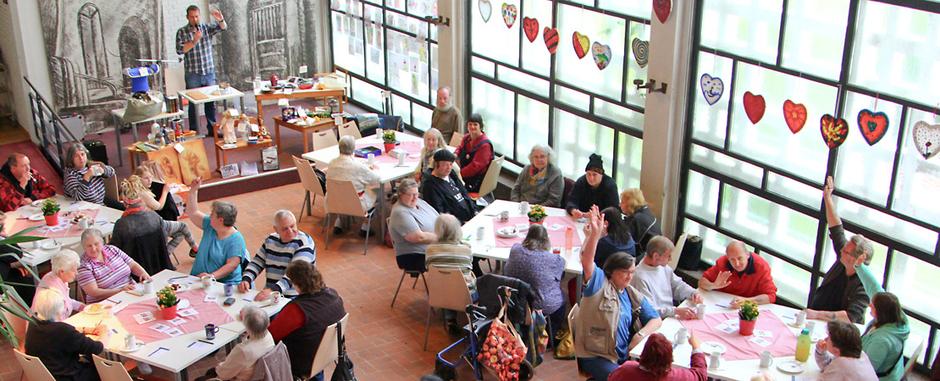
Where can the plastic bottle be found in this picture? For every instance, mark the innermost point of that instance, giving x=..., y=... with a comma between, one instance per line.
x=569, y=238
x=802, y=346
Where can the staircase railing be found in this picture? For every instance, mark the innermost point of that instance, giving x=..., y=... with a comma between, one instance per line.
x=53, y=135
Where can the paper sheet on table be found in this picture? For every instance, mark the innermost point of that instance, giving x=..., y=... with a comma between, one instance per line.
x=199, y=345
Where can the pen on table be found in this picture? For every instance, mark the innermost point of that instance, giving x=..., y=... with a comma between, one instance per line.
x=205, y=341
x=157, y=350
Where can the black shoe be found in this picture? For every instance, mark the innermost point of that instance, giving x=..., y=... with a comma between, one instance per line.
x=337, y=230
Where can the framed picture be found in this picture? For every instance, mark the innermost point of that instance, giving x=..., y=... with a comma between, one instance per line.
x=193, y=161
x=269, y=159
x=229, y=171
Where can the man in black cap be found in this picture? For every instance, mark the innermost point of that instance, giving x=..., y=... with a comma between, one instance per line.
x=444, y=191
x=594, y=188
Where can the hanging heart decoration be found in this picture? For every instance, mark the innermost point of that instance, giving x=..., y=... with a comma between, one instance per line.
x=712, y=88
x=601, y=54
x=754, y=106
x=662, y=8
x=550, y=35
x=580, y=43
x=873, y=125
x=486, y=9
x=509, y=14
x=834, y=131
x=927, y=139
x=795, y=115
x=641, y=51
x=531, y=28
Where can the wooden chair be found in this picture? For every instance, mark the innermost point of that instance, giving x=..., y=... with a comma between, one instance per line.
x=343, y=200
x=490, y=179
x=111, y=370
x=350, y=129
x=328, y=351
x=446, y=289
x=456, y=139
x=324, y=139
x=311, y=184
x=111, y=188
x=33, y=368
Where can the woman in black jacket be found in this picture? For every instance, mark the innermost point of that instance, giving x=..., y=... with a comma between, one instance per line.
x=59, y=345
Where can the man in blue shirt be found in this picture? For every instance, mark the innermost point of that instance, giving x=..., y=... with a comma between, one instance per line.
x=194, y=43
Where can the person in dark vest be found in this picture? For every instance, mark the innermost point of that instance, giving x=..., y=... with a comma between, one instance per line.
x=474, y=154
x=594, y=188
x=302, y=321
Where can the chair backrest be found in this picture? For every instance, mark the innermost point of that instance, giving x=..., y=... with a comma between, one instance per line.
x=569, y=184
x=33, y=368
x=328, y=351
x=350, y=129
x=343, y=198
x=308, y=177
x=918, y=351
x=324, y=139
x=456, y=139
x=274, y=365
x=447, y=288
x=111, y=187
x=491, y=177
x=573, y=316
x=677, y=251
x=111, y=370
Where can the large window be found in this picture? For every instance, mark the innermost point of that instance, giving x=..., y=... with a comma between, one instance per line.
x=388, y=46
x=529, y=96
x=762, y=183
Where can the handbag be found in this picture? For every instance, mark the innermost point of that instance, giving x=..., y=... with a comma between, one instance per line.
x=503, y=350
x=691, y=254
x=344, y=366
x=564, y=344
x=143, y=106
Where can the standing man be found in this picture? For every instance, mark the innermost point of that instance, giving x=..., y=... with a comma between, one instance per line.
x=446, y=117
x=194, y=43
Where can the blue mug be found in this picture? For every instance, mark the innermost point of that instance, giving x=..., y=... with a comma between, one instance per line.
x=211, y=330
x=229, y=289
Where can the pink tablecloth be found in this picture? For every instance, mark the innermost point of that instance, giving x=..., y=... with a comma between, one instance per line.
x=554, y=224
x=65, y=228
x=782, y=340
x=412, y=147
x=208, y=312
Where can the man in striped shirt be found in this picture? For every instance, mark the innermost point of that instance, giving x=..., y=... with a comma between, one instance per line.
x=194, y=43
x=287, y=244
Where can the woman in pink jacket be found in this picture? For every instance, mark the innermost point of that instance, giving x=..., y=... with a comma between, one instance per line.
x=656, y=363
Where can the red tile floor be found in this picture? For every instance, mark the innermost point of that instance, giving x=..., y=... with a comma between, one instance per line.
x=384, y=343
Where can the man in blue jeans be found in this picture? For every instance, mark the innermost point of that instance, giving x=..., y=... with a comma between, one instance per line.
x=194, y=43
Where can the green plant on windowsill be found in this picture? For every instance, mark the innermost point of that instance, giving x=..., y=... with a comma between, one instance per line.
x=10, y=301
x=748, y=310
x=388, y=136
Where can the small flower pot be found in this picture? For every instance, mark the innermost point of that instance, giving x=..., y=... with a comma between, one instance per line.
x=534, y=222
x=52, y=220
x=389, y=147
x=168, y=313
x=746, y=327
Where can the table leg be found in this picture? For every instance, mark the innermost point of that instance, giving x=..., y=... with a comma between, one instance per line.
x=218, y=161
x=277, y=135
x=134, y=132
x=260, y=113
x=117, y=138
x=183, y=375
x=380, y=210
x=306, y=141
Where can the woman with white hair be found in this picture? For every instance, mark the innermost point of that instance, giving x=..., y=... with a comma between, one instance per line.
x=240, y=363
x=449, y=252
x=433, y=141
x=59, y=344
x=346, y=167
x=105, y=270
x=540, y=182
x=64, y=268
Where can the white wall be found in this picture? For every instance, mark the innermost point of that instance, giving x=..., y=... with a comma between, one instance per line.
x=26, y=55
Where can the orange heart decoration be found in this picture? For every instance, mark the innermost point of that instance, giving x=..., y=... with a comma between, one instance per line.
x=795, y=115
x=581, y=44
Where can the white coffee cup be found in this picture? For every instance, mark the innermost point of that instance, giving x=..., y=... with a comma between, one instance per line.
x=275, y=297
x=378, y=133
x=207, y=281
x=524, y=208
x=97, y=170
x=714, y=361
x=766, y=359
x=130, y=341
x=401, y=156
x=148, y=286
x=682, y=336
x=700, y=311
x=800, y=317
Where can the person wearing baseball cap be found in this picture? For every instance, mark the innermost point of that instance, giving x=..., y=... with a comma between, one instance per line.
x=594, y=188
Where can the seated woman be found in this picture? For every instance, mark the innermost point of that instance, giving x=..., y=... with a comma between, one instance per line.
x=640, y=220
x=64, y=268
x=474, y=154
x=433, y=141
x=84, y=179
x=222, y=247
x=616, y=237
x=448, y=251
x=595, y=188
x=609, y=302
x=540, y=182
x=139, y=232
x=883, y=340
x=165, y=206
x=59, y=344
x=239, y=365
x=346, y=167
x=656, y=363
x=140, y=193
x=105, y=270
x=533, y=262
x=411, y=226
x=300, y=325
x=840, y=356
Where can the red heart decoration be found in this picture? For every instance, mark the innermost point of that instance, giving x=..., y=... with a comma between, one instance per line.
x=662, y=9
x=550, y=35
x=581, y=44
x=754, y=106
x=834, y=131
x=795, y=115
x=531, y=28
x=873, y=125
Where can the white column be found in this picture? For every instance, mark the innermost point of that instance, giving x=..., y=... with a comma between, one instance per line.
x=452, y=51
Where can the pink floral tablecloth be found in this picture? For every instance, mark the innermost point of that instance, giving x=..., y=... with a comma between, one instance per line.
x=554, y=224
x=65, y=228
x=207, y=312
x=777, y=337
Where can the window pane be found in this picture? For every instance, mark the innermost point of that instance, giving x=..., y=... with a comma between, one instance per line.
x=713, y=242
x=619, y=114
x=814, y=37
x=918, y=182
x=422, y=116
x=572, y=97
x=878, y=261
x=918, y=283
x=864, y=170
x=629, y=160
x=522, y=80
x=792, y=282
x=577, y=138
x=583, y=73
x=533, y=127
x=375, y=47
x=492, y=39
x=711, y=120
x=780, y=228
x=497, y=107
x=749, y=28
x=634, y=71
x=402, y=107
x=641, y=9
x=535, y=56
x=408, y=65
x=719, y=162
x=367, y=94
x=916, y=236
x=702, y=196
x=794, y=190
x=348, y=43
x=483, y=66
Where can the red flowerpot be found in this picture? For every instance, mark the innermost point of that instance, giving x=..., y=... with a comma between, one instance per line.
x=389, y=147
x=746, y=327
x=168, y=313
x=52, y=220
x=539, y=222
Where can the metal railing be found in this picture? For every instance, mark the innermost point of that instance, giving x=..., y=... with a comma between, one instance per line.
x=49, y=128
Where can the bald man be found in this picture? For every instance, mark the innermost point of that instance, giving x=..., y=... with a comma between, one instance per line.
x=20, y=184
x=446, y=117
x=741, y=273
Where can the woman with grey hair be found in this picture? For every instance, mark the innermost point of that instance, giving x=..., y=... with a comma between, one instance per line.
x=84, y=179
x=433, y=141
x=105, y=270
x=222, y=247
x=540, y=182
x=346, y=167
x=449, y=252
x=59, y=345
x=239, y=365
x=533, y=262
x=64, y=269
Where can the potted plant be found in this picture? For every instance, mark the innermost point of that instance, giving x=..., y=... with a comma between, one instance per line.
x=50, y=210
x=388, y=137
x=17, y=314
x=167, y=301
x=748, y=315
x=537, y=214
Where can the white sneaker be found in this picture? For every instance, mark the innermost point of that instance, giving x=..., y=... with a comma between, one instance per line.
x=144, y=368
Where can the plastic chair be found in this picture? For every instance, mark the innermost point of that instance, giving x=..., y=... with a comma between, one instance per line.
x=343, y=200
x=350, y=129
x=311, y=184
x=324, y=139
x=918, y=351
x=33, y=368
x=446, y=289
x=328, y=351
x=490, y=179
x=456, y=139
x=111, y=370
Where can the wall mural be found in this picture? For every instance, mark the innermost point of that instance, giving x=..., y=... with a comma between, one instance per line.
x=89, y=43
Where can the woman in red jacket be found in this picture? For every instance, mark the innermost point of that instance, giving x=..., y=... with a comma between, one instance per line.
x=474, y=154
x=656, y=363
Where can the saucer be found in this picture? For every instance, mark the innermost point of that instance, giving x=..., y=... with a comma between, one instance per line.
x=507, y=232
x=135, y=349
x=49, y=244
x=36, y=217
x=711, y=346
x=790, y=367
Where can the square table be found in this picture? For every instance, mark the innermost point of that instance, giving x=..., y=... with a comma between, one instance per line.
x=240, y=145
x=305, y=130
x=261, y=96
x=181, y=351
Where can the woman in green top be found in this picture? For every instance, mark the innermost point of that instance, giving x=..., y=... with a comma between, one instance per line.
x=884, y=338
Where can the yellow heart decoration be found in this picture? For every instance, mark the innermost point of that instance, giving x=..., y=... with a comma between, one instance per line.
x=581, y=44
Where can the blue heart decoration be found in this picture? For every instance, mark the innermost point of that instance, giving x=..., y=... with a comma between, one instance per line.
x=712, y=88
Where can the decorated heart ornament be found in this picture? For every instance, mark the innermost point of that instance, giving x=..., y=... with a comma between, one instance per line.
x=795, y=115
x=927, y=139
x=550, y=35
x=531, y=28
x=662, y=8
x=712, y=88
x=486, y=9
x=580, y=43
x=601, y=54
x=873, y=125
x=641, y=51
x=509, y=14
x=754, y=106
x=834, y=131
